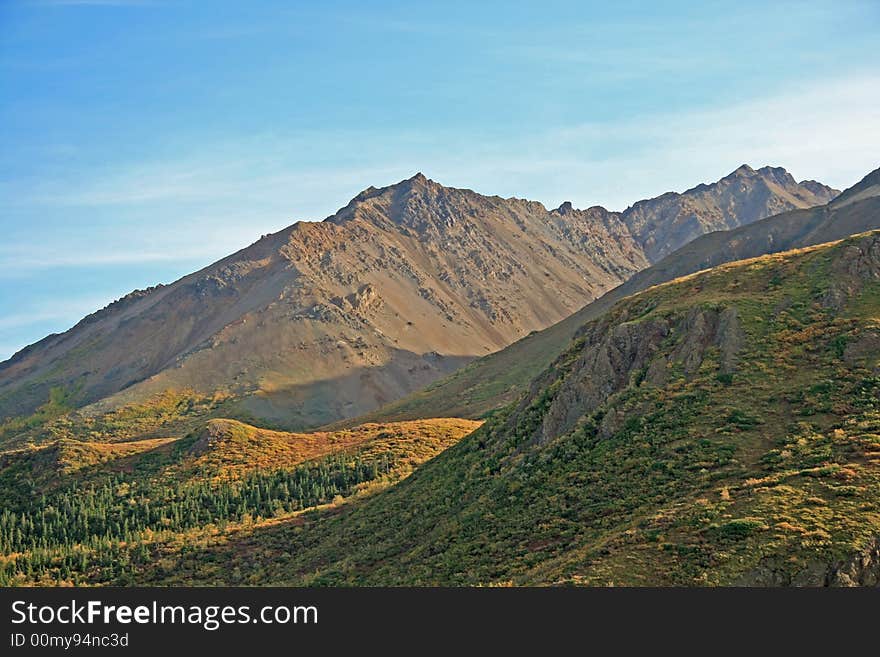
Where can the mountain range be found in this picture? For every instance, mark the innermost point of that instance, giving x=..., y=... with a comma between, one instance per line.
x=329, y=320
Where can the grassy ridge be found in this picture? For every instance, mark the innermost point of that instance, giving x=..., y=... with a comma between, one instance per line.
x=722, y=428
x=172, y=413
x=86, y=513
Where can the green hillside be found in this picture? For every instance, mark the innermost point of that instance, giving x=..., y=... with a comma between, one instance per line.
x=87, y=512
x=720, y=429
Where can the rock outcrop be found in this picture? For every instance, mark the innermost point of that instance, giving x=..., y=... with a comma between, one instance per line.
x=612, y=353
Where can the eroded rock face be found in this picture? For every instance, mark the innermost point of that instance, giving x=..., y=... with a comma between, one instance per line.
x=860, y=569
x=863, y=349
x=608, y=360
x=730, y=338
x=614, y=356
x=358, y=301
x=858, y=264
x=210, y=437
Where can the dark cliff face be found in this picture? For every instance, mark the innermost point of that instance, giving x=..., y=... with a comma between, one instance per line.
x=861, y=568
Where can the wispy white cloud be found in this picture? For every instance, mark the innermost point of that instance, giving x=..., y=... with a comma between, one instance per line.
x=41, y=317
x=196, y=242
x=200, y=207
x=419, y=26
x=22, y=262
x=241, y=178
x=52, y=311
x=828, y=130
x=93, y=3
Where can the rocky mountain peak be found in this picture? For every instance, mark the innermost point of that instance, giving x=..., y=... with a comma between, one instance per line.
x=743, y=170
x=745, y=195
x=565, y=208
x=418, y=180
x=384, y=200
x=817, y=188
x=777, y=174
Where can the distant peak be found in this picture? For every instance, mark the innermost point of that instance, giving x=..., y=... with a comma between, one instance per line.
x=565, y=208
x=417, y=185
x=872, y=178
x=418, y=181
x=743, y=170
x=867, y=187
x=776, y=174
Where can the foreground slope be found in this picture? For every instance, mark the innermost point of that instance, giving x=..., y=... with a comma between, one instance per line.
x=499, y=378
x=92, y=512
x=331, y=319
x=720, y=429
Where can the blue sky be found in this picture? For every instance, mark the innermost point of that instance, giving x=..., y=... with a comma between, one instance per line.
x=144, y=139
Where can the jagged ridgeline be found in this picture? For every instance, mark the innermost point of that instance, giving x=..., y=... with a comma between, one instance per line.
x=720, y=429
